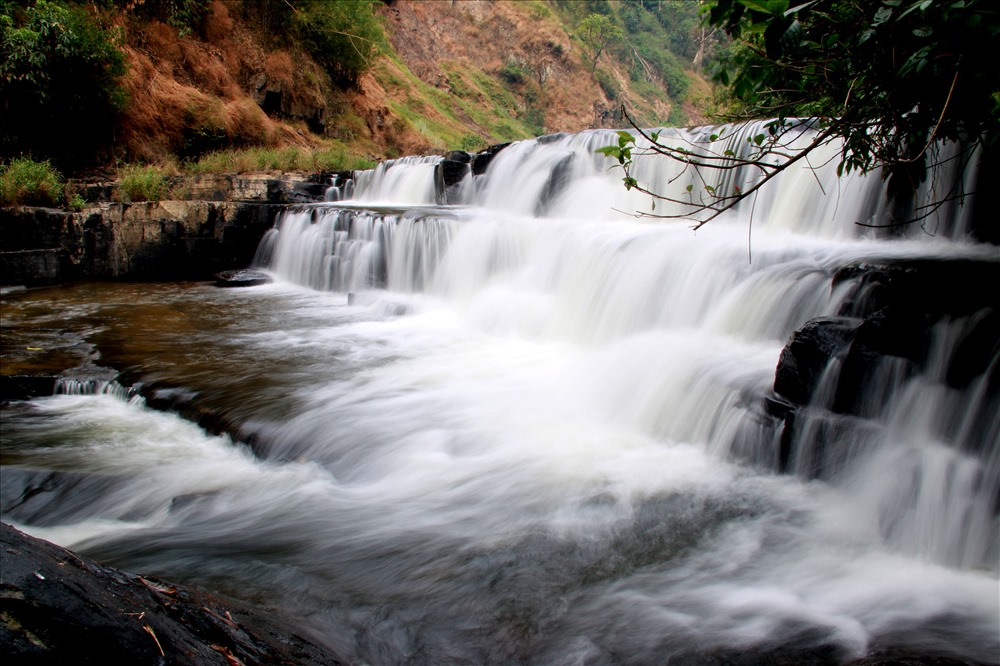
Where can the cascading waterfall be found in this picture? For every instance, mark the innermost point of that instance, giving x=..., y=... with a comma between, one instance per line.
x=529, y=427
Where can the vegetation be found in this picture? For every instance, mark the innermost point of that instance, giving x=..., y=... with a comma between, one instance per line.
x=248, y=160
x=25, y=182
x=343, y=36
x=598, y=32
x=141, y=183
x=203, y=86
x=889, y=78
x=60, y=72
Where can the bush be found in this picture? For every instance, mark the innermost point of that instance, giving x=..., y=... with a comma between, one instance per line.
x=607, y=83
x=60, y=82
x=75, y=203
x=25, y=182
x=141, y=183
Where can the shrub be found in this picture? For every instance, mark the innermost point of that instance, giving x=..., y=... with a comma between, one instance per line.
x=75, y=203
x=60, y=82
x=141, y=183
x=472, y=143
x=26, y=182
x=512, y=74
x=607, y=83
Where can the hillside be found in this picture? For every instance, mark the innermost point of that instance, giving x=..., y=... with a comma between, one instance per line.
x=406, y=76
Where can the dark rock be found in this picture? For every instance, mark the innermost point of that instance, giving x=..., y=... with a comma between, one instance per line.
x=977, y=350
x=447, y=176
x=25, y=387
x=558, y=178
x=244, y=277
x=807, y=355
x=551, y=138
x=483, y=158
x=893, y=340
x=954, y=287
x=459, y=156
x=57, y=607
x=166, y=240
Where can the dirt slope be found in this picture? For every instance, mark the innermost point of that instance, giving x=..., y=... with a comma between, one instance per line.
x=456, y=75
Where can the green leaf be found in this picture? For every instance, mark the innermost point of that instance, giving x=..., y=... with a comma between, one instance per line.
x=756, y=5
x=630, y=182
x=882, y=15
x=799, y=8
x=689, y=187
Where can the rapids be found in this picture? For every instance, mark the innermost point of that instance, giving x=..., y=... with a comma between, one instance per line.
x=525, y=427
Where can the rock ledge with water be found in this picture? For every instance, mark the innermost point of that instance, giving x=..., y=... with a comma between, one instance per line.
x=58, y=607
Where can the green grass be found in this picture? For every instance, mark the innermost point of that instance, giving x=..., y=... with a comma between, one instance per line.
x=25, y=182
x=248, y=160
x=141, y=183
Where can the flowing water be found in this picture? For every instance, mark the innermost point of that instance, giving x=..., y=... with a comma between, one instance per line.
x=525, y=427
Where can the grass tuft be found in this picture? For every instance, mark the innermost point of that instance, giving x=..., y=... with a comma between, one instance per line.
x=25, y=182
x=141, y=183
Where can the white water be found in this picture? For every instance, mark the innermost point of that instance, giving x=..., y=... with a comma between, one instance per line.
x=531, y=429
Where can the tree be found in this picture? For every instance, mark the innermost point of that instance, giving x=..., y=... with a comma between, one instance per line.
x=60, y=82
x=890, y=79
x=598, y=33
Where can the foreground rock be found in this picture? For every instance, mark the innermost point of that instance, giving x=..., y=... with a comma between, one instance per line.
x=58, y=608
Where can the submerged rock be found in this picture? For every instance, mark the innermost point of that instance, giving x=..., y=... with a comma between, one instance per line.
x=57, y=607
x=245, y=277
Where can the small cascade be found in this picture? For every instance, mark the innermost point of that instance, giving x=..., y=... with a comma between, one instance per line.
x=405, y=181
x=341, y=189
x=112, y=388
x=547, y=246
x=347, y=250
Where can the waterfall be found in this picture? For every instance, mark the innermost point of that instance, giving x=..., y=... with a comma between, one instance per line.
x=494, y=412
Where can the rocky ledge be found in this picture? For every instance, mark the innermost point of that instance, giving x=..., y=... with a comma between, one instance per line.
x=57, y=607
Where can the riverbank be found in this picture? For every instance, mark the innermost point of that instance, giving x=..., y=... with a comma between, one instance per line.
x=216, y=226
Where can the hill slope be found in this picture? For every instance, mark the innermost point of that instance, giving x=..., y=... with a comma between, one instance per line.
x=210, y=75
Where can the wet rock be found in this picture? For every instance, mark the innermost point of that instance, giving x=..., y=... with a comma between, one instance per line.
x=245, y=277
x=895, y=340
x=483, y=158
x=459, y=156
x=941, y=286
x=807, y=355
x=57, y=607
x=448, y=174
x=559, y=177
x=978, y=349
x=25, y=387
x=165, y=240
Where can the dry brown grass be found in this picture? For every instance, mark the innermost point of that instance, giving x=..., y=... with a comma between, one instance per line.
x=188, y=95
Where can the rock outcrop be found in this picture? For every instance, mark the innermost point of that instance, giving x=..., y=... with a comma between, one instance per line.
x=57, y=607
x=889, y=330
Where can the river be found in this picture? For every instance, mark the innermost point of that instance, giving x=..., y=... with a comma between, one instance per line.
x=524, y=427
